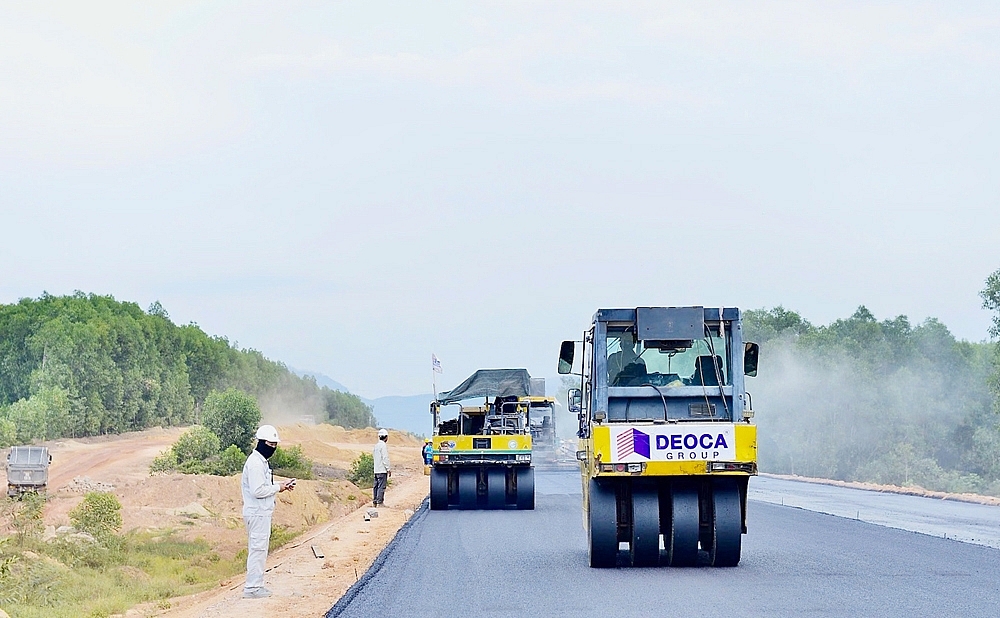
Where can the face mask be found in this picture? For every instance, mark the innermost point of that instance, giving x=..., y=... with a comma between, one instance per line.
x=264, y=449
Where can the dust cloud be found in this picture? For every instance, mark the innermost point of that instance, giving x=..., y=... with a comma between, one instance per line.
x=830, y=413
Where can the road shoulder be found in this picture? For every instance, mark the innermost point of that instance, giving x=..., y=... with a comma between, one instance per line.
x=304, y=585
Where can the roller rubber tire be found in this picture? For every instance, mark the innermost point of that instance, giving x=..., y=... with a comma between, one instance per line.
x=727, y=524
x=496, y=488
x=467, y=490
x=439, y=489
x=682, y=545
x=602, y=528
x=645, y=541
x=525, y=489
x=666, y=523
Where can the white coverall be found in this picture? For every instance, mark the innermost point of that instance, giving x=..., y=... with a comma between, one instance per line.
x=380, y=456
x=259, y=490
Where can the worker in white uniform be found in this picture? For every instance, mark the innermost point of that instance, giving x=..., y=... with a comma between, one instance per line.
x=380, y=456
x=259, y=490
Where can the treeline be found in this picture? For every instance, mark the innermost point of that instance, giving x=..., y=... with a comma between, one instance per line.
x=876, y=400
x=86, y=365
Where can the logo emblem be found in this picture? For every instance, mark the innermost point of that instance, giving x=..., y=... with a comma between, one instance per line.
x=633, y=442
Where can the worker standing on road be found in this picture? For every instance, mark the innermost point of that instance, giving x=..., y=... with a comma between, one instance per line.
x=380, y=455
x=259, y=490
x=428, y=455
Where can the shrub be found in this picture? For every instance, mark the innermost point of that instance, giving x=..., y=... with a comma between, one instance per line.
x=291, y=462
x=98, y=515
x=197, y=444
x=233, y=416
x=362, y=472
x=26, y=517
x=164, y=462
x=231, y=461
x=197, y=452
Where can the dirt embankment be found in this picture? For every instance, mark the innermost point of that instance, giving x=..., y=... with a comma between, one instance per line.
x=304, y=585
x=327, y=511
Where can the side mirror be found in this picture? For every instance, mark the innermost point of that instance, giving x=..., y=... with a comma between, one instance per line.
x=750, y=353
x=574, y=400
x=566, y=352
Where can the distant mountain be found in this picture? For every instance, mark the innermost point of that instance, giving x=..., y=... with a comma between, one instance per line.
x=321, y=380
x=409, y=413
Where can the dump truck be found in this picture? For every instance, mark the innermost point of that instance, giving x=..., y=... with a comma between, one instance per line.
x=667, y=442
x=482, y=458
x=27, y=469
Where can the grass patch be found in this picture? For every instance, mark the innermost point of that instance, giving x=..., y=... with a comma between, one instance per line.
x=69, y=579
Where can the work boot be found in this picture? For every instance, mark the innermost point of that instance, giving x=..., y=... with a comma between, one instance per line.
x=257, y=593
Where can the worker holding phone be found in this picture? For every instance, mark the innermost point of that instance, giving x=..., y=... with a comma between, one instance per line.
x=259, y=490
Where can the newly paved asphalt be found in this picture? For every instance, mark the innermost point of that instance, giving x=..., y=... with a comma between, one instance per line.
x=795, y=562
x=972, y=523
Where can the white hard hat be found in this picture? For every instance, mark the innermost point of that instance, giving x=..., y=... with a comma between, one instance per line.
x=268, y=433
x=382, y=433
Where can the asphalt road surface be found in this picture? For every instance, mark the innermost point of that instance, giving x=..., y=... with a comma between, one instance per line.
x=972, y=523
x=795, y=562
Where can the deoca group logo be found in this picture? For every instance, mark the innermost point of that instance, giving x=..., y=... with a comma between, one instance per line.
x=633, y=442
x=687, y=442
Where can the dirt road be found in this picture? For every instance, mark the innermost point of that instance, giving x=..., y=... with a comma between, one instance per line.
x=109, y=457
x=328, y=512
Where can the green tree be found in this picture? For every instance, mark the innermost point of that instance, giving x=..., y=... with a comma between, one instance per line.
x=8, y=431
x=98, y=515
x=763, y=325
x=86, y=364
x=233, y=416
x=45, y=415
x=991, y=301
x=346, y=410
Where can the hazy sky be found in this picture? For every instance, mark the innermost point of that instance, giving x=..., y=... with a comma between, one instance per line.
x=350, y=186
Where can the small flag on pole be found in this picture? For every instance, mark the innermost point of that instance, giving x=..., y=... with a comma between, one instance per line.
x=435, y=364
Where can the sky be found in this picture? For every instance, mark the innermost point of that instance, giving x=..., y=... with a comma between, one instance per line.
x=351, y=186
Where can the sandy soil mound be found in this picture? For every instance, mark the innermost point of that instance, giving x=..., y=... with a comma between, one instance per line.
x=336, y=446
x=210, y=506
